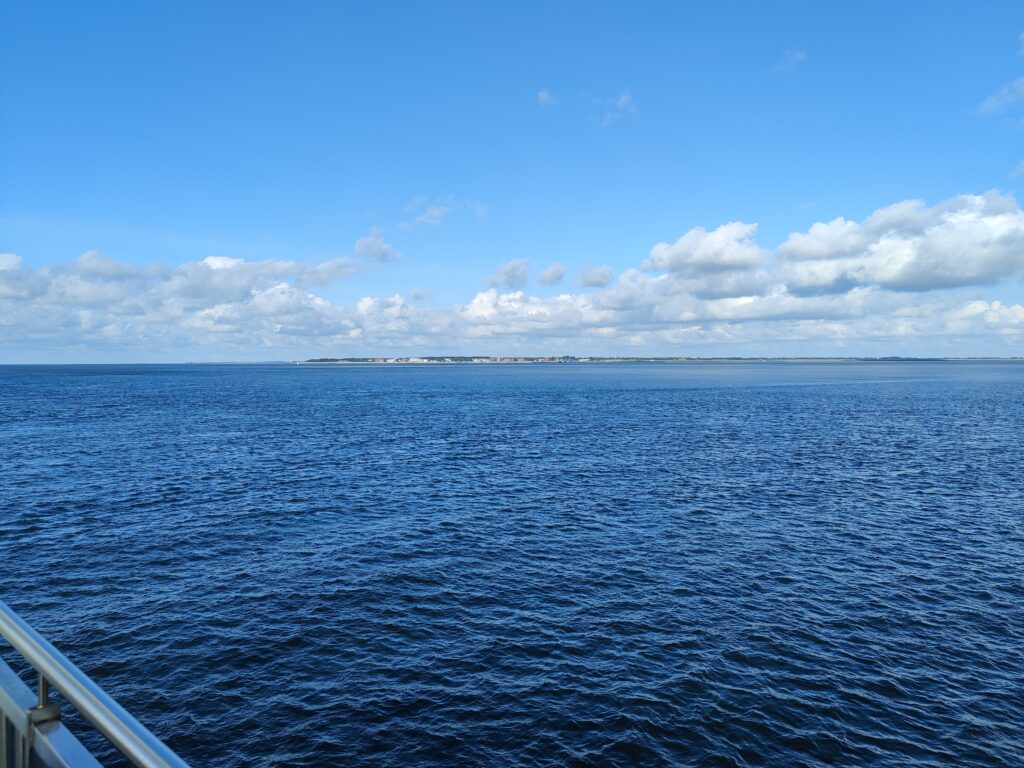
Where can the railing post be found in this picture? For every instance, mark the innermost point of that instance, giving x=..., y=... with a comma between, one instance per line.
x=42, y=712
x=45, y=710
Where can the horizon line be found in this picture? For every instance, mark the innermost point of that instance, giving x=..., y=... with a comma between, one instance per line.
x=535, y=359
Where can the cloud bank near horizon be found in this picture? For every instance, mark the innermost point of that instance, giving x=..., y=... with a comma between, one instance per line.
x=910, y=278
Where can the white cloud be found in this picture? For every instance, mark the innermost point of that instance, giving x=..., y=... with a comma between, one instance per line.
x=1006, y=97
x=730, y=246
x=327, y=272
x=992, y=313
x=213, y=262
x=552, y=274
x=433, y=212
x=791, y=59
x=119, y=288
x=824, y=240
x=545, y=98
x=1018, y=171
x=511, y=274
x=596, y=277
x=1021, y=40
x=614, y=107
x=967, y=240
x=434, y=215
x=909, y=278
x=95, y=264
x=9, y=260
x=374, y=247
x=420, y=294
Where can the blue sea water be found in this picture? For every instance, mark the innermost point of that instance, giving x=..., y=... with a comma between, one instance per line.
x=736, y=564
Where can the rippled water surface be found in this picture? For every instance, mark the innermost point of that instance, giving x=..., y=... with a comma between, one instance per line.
x=702, y=564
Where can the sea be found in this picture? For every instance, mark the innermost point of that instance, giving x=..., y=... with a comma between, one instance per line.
x=625, y=564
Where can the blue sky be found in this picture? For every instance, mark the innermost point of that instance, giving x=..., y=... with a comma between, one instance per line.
x=416, y=148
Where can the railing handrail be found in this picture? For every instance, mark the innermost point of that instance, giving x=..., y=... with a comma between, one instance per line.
x=127, y=734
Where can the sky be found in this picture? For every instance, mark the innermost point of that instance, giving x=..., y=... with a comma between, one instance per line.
x=239, y=181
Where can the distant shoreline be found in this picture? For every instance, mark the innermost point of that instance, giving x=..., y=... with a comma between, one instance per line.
x=455, y=360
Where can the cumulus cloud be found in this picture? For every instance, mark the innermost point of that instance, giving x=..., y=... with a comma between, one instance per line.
x=968, y=240
x=730, y=246
x=993, y=313
x=99, y=295
x=908, y=275
x=546, y=99
x=374, y=247
x=825, y=239
x=596, y=277
x=511, y=274
x=552, y=274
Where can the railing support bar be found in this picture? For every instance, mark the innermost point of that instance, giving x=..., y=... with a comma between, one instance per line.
x=127, y=734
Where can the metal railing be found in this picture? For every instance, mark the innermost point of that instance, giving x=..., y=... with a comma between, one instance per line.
x=31, y=733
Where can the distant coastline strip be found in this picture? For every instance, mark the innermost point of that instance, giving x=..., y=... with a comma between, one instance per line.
x=455, y=359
